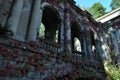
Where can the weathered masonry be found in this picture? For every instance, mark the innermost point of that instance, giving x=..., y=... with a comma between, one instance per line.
x=27, y=54
x=110, y=36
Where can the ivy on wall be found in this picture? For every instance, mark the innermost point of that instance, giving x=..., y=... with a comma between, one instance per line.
x=20, y=60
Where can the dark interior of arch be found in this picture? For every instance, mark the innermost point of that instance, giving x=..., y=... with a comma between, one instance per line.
x=51, y=21
x=75, y=33
x=92, y=38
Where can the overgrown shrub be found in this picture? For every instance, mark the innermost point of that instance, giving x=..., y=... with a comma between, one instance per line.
x=112, y=71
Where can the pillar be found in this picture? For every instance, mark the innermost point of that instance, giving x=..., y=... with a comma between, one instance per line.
x=88, y=43
x=98, y=48
x=15, y=15
x=62, y=32
x=67, y=31
x=83, y=44
x=117, y=34
x=116, y=47
x=35, y=21
x=1, y=3
x=5, y=8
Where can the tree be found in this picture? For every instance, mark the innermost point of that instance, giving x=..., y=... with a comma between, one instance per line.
x=115, y=4
x=83, y=7
x=97, y=10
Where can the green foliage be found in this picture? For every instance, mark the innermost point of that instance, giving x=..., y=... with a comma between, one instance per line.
x=115, y=4
x=113, y=72
x=56, y=37
x=42, y=31
x=83, y=7
x=97, y=10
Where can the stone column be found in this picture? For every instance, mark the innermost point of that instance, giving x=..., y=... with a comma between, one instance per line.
x=15, y=15
x=5, y=8
x=62, y=32
x=98, y=49
x=1, y=3
x=68, y=31
x=105, y=48
x=98, y=46
x=88, y=44
x=117, y=34
x=116, y=47
x=83, y=44
x=35, y=21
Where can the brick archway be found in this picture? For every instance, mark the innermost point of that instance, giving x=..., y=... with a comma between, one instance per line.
x=51, y=21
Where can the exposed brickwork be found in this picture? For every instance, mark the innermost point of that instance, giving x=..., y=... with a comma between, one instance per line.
x=25, y=58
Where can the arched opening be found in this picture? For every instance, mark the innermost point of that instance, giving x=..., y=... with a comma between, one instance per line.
x=77, y=44
x=75, y=35
x=95, y=46
x=92, y=40
x=42, y=31
x=49, y=29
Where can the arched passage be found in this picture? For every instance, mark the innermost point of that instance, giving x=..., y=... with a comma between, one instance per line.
x=51, y=22
x=92, y=35
x=75, y=35
x=77, y=44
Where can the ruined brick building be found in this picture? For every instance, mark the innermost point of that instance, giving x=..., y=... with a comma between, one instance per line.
x=25, y=55
x=110, y=36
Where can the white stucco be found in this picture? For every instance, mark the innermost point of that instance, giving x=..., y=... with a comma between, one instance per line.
x=109, y=16
x=15, y=15
x=35, y=21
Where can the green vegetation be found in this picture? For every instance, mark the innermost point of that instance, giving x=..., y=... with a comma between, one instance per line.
x=112, y=71
x=83, y=7
x=97, y=10
x=115, y=4
x=42, y=31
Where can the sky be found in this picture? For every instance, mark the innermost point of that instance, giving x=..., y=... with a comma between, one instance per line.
x=89, y=3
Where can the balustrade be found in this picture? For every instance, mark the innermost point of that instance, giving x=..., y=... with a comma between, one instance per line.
x=54, y=47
